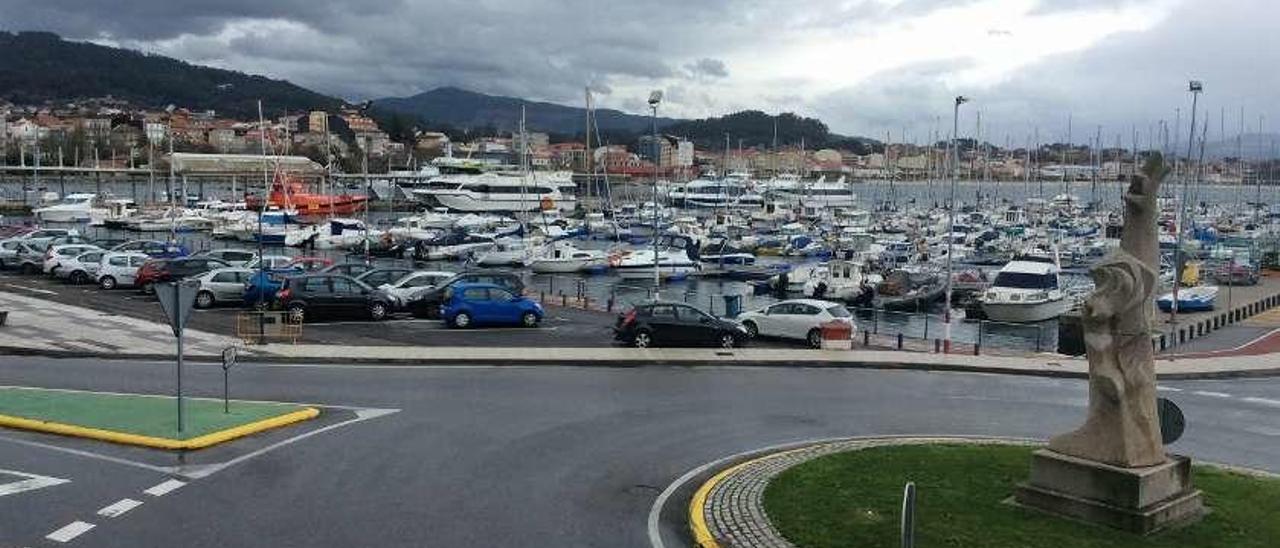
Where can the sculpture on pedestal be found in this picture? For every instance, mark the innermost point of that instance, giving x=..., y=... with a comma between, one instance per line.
x=1122, y=427
x=1113, y=469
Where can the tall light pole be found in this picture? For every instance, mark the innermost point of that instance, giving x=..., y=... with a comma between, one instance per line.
x=1195, y=87
x=951, y=218
x=654, y=99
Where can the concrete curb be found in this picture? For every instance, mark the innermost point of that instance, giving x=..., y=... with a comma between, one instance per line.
x=249, y=356
x=152, y=442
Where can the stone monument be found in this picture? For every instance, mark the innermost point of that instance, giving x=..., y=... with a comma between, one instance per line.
x=1113, y=469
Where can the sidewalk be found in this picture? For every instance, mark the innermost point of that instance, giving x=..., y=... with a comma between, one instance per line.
x=37, y=326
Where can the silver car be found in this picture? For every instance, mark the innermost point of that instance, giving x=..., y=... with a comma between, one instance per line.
x=222, y=285
x=82, y=268
x=120, y=268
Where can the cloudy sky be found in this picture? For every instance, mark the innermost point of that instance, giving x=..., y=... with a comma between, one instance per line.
x=864, y=66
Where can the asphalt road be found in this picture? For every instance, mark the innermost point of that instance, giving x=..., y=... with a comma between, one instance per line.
x=516, y=456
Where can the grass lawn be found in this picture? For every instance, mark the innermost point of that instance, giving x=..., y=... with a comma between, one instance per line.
x=854, y=499
x=143, y=415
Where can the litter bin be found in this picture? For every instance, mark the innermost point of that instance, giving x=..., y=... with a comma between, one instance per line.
x=732, y=305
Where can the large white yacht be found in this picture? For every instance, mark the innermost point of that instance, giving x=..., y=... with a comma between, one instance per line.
x=496, y=192
x=1025, y=291
x=673, y=259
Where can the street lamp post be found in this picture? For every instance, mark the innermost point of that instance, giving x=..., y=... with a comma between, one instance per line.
x=1195, y=87
x=654, y=99
x=951, y=219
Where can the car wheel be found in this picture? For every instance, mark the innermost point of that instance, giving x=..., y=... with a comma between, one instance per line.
x=643, y=339
x=53, y=271
x=727, y=340
x=204, y=299
x=462, y=320
x=814, y=338
x=752, y=329
x=149, y=288
x=529, y=319
x=297, y=313
x=28, y=268
x=378, y=311
x=107, y=282
x=78, y=277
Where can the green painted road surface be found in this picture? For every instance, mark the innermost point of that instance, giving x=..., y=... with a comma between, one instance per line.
x=155, y=416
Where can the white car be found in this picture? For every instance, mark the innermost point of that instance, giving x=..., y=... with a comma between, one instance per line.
x=800, y=319
x=410, y=284
x=9, y=252
x=120, y=268
x=82, y=268
x=56, y=256
x=233, y=257
x=222, y=285
x=270, y=261
x=39, y=239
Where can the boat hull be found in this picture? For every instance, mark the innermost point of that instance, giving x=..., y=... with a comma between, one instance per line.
x=1024, y=312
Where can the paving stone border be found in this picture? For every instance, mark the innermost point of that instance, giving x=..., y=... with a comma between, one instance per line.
x=734, y=509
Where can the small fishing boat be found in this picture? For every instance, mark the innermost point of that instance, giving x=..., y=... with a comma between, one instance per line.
x=1190, y=299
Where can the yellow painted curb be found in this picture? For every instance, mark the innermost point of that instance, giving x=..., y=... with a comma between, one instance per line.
x=702, y=537
x=154, y=442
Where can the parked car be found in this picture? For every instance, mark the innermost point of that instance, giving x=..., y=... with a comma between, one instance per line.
x=270, y=262
x=166, y=270
x=155, y=249
x=9, y=253
x=222, y=285
x=414, y=282
x=349, y=269
x=676, y=324
x=120, y=268
x=56, y=255
x=82, y=268
x=313, y=295
x=28, y=258
x=1236, y=274
x=472, y=304
x=799, y=319
x=40, y=239
x=379, y=276
x=262, y=286
x=426, y=303
x=233, y=257
x=310, y=264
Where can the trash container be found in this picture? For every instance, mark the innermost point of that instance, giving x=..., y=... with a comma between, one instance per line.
x=732, y=305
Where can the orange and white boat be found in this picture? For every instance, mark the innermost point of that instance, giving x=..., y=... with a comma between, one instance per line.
x=291, y=193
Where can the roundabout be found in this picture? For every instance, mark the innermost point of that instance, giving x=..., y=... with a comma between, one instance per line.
x=849, y=493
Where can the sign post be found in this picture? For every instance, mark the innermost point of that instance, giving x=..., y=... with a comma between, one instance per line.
x=908, y=524
x=228, y=360
x=177, y=299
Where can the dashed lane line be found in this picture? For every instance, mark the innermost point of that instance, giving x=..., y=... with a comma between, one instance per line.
x=1209, y=394
x=32, y=289
x=164, y=488
x=119, y=508
x=1263, y=401
x=70, y=531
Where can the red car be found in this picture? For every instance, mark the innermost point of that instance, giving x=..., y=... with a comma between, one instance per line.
x=157, y=271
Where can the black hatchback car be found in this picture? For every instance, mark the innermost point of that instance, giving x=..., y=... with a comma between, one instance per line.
x=426, y=304
x=676, y=324
x=315, y=295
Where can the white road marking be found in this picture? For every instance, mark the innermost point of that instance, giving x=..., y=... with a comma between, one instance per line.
x=1211, y=394
x=70, y=531
x=119, y=508
x=32, y=289
x=1168, y=389
x=164, y=487
x=89, y=454
x=209, y=469
x=32, y=482
x=1263, y=401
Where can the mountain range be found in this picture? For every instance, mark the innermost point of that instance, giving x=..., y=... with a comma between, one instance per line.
x=41, y=67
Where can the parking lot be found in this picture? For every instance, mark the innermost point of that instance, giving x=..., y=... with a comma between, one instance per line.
x=562, y=326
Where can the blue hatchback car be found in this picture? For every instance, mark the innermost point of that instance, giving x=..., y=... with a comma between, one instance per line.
x=468, y=305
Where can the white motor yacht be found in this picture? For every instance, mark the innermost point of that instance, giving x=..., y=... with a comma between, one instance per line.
x=1025, y=291
x=72, y=208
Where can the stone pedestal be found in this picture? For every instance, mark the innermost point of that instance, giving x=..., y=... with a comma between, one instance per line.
x=1141, y=500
